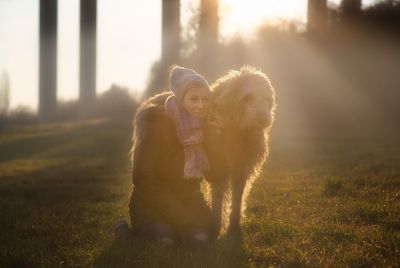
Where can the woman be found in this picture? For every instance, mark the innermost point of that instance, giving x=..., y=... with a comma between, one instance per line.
x=169, y=162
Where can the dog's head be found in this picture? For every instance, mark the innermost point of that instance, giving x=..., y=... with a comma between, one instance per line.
x=243, y=99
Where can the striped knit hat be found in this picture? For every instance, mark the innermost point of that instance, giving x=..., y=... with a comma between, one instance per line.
x=182, y=79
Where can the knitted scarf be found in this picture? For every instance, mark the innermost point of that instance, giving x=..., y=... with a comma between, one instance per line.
x=189, y=130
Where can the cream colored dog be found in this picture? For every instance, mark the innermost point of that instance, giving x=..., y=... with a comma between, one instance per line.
x=242, y=113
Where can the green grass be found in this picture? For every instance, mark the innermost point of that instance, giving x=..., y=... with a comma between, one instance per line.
x=320, y=202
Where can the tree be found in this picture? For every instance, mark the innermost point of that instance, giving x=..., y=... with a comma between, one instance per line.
x=4, y=93
x=385, y=15
x=116, y=102
x=170, y=32
x=351, y=10
x=208, y=24
x=207, y=53
x=317, y=16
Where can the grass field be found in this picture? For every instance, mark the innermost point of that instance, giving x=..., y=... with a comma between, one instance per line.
x=320, y=202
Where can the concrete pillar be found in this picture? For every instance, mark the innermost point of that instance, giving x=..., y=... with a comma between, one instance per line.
x=87, y=74
x=47, y=60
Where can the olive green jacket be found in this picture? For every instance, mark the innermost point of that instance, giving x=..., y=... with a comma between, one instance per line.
x=161, y=194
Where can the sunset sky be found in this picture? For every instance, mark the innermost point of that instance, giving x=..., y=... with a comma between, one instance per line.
x=129, y=39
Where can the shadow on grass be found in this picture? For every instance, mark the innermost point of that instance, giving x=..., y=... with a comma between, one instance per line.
x=54, y=214
x=31, y=143
x=77, y=152
x=225, y=252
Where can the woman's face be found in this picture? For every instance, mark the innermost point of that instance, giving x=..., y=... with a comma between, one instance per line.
x=195, y=101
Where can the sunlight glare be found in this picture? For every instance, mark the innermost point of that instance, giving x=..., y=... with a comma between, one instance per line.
x=244, y=16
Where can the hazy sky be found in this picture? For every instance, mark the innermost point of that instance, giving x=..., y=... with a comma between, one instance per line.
x=128, y=40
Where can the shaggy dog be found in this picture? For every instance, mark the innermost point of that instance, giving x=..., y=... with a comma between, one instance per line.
x=242, y=113
x=236, y=138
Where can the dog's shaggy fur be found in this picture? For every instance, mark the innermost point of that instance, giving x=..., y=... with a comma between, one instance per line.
x=241, y=112
x=243, y=106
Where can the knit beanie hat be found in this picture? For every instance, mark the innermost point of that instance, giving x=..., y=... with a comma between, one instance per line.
x=182, y=79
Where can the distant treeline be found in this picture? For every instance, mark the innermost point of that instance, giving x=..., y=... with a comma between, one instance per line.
x=116, y=102
x=385, y=15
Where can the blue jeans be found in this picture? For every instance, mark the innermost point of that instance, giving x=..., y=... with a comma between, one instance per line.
x=155, y=231
x=163, y=232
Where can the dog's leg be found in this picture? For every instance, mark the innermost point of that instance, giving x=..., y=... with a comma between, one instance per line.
x=218, y=191
x=238, y=184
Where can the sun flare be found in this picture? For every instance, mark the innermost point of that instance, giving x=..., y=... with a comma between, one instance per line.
x=238, y=16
